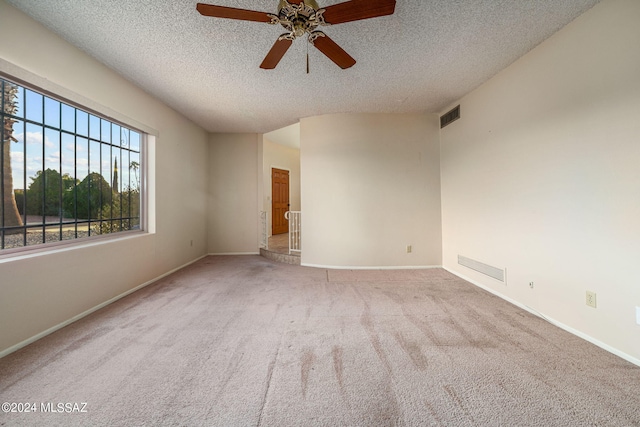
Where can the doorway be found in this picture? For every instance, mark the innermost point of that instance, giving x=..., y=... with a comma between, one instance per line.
x=279, y=201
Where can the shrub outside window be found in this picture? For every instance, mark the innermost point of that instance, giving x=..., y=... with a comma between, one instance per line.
x=66, y=173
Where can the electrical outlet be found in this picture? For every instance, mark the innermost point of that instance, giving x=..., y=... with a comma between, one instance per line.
x=192, y=243
x=531, y=285
x=591, y=299
x=409, y=249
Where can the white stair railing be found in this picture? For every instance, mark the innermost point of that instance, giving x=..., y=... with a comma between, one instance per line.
x=295, y=230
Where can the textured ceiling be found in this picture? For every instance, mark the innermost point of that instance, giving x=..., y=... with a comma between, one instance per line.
x=421, y=59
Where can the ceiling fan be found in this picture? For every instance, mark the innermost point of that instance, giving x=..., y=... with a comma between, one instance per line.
x=300, y=17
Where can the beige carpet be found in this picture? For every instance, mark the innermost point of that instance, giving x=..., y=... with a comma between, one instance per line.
x=243, y=341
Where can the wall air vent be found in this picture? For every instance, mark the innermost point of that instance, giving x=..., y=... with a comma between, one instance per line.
x=449, y=117
x=480, y=267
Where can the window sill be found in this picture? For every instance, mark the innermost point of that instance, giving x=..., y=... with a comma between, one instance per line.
x=8, y=255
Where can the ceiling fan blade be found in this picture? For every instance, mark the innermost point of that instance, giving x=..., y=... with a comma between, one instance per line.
x=355, y=10
x=232, y=13
x=334, y=52
x=276, y=53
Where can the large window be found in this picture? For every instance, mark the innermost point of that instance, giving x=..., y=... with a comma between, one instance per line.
x=66, y=173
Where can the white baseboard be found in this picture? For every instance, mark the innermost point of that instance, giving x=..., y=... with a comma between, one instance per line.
x=234, y=253
x=43, y=334
x=554, y=322
x=390, y=267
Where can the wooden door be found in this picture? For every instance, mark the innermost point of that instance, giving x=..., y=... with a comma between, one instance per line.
x=280, y=201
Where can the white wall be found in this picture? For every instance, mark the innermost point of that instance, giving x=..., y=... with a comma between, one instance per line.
x=370, y=186
x=280, y=157
x=45, y=290
x=234, y=163
x=541, y=175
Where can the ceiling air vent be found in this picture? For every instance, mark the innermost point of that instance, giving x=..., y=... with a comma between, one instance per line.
x=449, y=117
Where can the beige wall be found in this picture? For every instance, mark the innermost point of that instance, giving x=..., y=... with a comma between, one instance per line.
x=47, y=289
x=280, y=157
x=370, y=186
x=541, y=175
x=234, y=163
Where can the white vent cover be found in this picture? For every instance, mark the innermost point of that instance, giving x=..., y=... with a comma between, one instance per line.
x=495, y=272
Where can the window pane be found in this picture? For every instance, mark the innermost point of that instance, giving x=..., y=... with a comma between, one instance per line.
x=51, y=112
x=94, y=127
x=68, y=174
x=16, y=237
x=34, y=236
x=34, y=149
x=12, y=149
x=19, y=105
x=116, y=134
x=125, y=185
x=68, y=118
x=81, y=199
x=17, y=155
x=134, y=167
x=124, y=172
x=33, y=106
x=52, y=149
x=82, y=158
x=12, y=99
x=134, y=140
x=94, y=157
x=94, y=182
x=52, y=234
x=14, y=240
x=116, y=181
x=124, y=137
x=82, y=123
x=105, y=131
x=69, y=231
x=107, y=168
x=52, y=178
x=134, y=206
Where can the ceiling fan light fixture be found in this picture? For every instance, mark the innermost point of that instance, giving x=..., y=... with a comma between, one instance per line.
x=299, y=19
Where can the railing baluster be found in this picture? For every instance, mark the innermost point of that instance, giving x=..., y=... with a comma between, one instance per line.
x=264, y=234
x=295, y=230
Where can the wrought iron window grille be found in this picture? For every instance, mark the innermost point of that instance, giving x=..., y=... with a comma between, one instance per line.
x=84, y=169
